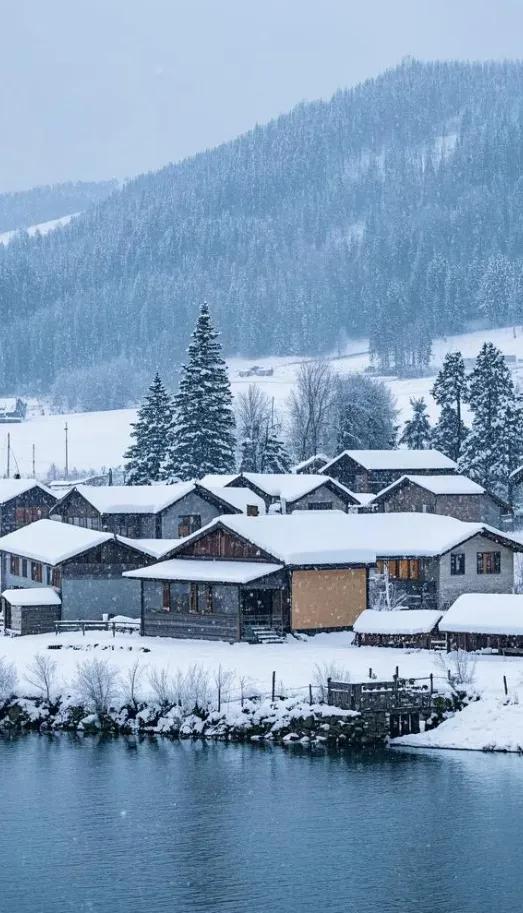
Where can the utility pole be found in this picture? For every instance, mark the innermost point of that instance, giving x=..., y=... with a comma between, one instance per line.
x=66, y=429
x=8, y=455
x=34, y=462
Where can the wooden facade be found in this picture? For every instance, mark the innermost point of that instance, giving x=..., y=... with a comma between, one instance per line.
x=36, y=503
x=358, y=478
x=408, y=497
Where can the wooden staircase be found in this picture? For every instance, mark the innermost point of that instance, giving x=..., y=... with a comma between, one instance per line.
x=263, y=634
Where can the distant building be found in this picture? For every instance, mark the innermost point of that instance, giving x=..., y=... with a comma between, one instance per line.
x=372, y=470
x=452, y=495
x=288, y=491
x=23, y=501
x=312, y=464
x=12, y=410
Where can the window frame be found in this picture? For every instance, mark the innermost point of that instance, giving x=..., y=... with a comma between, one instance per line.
x=488, y=563
x=457, y=564
x=191, y=522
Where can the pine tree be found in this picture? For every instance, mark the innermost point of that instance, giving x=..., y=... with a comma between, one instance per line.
x=449, y=391
x=416, y=432
x=248, y=455
x=202, y=439
x=145, y=458
x=274, y=456
x=494, y=445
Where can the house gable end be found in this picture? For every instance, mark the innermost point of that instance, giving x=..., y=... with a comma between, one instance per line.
x=221, y=542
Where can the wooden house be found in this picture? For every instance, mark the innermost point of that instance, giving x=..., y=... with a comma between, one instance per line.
x=12, y=410
x=83, y=566
x=408, y=628
x=478, y=621
x=372, y=470
x=243, y=578
x=23, y=501
x=312, y=464
x=146, y=511
x=32, y=610
x=288, y=492
x=452, y=495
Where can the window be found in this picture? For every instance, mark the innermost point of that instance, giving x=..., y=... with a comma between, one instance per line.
x=201, y=599
x=25, y=515
x=56, y=577
x=320, y=505
x=166, y=598
x=48, y=575
x=252, y=510
x=188, y=524
x=489, y=562
x=400, y=568
x=15, y=566
x=24, y=567
x=457, y=563
x=36, y=571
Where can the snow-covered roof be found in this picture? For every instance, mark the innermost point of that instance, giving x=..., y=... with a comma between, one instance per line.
x=333, y=537
x=12, y=488
x=437, y=485
x=316, y=537
x=241, y=498
x=485, y=613
x=316, y=458
x=51, y=542
x=205, y=570
x=32, y=596
x=155, y=548
x=364, y=497
x=8, y=405
x=396, y=460
x=217, y=480
x=407, y=621
x=134, y=499
x=291, y=487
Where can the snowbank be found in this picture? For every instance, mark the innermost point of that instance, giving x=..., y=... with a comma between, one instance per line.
x=485, y=725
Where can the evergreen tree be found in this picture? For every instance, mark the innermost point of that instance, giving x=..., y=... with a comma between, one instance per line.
x=145, y=458
x=248, y=455
x=416, y=431
x=202, y=438
x=449, y=391
x=274, y=456
x=494, y=445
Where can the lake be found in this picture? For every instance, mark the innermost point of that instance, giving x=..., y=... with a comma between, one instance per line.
x=120, y=826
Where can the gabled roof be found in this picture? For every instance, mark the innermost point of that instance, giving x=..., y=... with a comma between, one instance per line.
x=436, y=485
x=193, y=569
x=12, y=488
x=51, y=542
x=485, y=613
x=240, y=498
x=154, y=548
x=140, y=499
x=406, y=621
x=219, y=480
x=315, y=458
x=32, y=596
x=396, y=460
x=291, y=487
x=302, y=538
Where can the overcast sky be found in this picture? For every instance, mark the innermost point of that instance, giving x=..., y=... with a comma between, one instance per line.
x=99, y=88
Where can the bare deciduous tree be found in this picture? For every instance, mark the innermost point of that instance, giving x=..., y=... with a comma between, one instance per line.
x=223, y=680
x=8, y=679
x=41, y=675
x=161, y=684
x=460, y=667
x=310, y=408
x=96, y=684
x=324, y=672
x=131, y=682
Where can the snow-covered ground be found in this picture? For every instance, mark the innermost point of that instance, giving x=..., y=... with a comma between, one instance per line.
x=99, y=439
x=43, y=228
x=490, y=722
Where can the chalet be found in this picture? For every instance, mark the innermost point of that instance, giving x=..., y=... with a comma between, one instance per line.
x=452, y=495
x=373, y=470
x=428, y=560
x=479, y=621
x=312, y=464
x=83, y=566
x=408, y=628
x=287, y=492
x=12, y=410
x=23, y=501
x=145, y=511
x=241, y=577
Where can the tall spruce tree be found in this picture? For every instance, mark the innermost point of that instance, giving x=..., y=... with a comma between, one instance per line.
x=416, y=431
x=449, y=391
x=145, y=458
x=202, y=438
x=494, y=445
x=274, y=455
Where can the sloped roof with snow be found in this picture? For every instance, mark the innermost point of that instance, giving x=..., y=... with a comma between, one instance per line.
x=219, y=480
x=437, y=485
x=240, y=498
x=315, y=458
x=32, y=596
x=408, y=460
x=51, y=542
x=334, y=537
x=12, y=488
x=485, y=613
x=154, y=548
x=406, y=621
x=206, y=571
x=291, y=487
x=134, y=499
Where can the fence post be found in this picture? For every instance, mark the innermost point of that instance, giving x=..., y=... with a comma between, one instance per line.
x=83, y=629
x=219, y=696
x=431, y=676
x=370, y=671
x=329, y=690
x=505, y=684
x=273, y=689
x=310, y=695
x=114, y=628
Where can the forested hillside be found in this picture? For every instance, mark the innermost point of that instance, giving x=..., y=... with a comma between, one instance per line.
x=393, y=210
x=42, y=204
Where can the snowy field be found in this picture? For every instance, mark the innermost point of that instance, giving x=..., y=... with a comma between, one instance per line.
x=43, y=228
x=492, y=721
x=99, y=439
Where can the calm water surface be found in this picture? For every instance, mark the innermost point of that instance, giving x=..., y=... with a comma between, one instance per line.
x=126, y=827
